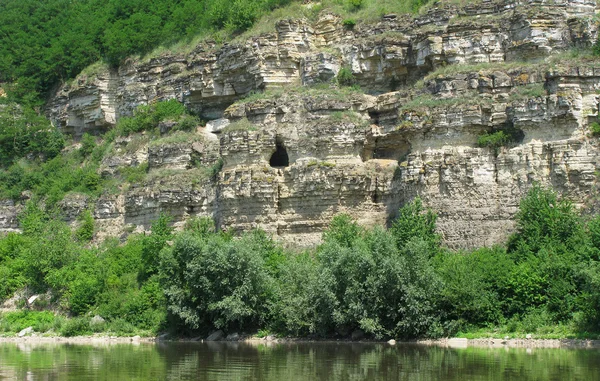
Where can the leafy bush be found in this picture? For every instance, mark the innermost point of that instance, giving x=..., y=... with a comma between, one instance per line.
x=147, y=117
x=349, y=23
x=25, y=133
x=161, y=232
x=493, y=140
x=306, y=301
x=361, y=264
x=414, y=221
x=88, y=143
x=16, y=321
x=355, y=4
x=345, y=77
x=217, y=281
x=595, y=128
x=544, y=218
x=51, y=180
x=85, y=231
x=474, y=285
x=201, y=226
x=75, y=327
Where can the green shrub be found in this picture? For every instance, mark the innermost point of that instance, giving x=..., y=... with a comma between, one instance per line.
x=306, y=300
x=474, y=285
x=161, y=232
x=187, y=123
x=121, y=327
x=349, y=23
x=25, y=133
x=544, y=218
x=41, y=321
x=217, y=281
x=355, y=4
x=414, y=221
x=357, y=266
x=493, y=140
x=85, y=231
x=134, y=174
x=345, y=77
x=88, y=144
x=147, y=117
x=202, y=226
x=75, y=327
x=215, y=169
x=595, y=128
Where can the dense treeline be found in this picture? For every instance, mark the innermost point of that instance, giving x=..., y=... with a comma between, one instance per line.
x=396, y=283
x=45, y=42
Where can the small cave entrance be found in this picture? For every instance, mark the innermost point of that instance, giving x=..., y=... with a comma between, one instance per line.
x=280, y=157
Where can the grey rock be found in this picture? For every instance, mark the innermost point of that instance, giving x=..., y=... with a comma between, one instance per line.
x=217, y=125
x=216, y=336
x=97, y=320
x=25, y=332
x=233, y=337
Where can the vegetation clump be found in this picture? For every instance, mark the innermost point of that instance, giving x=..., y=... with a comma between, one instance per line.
x=395, y=283
x=499, y=138
x=345, y=77
x=595, y=129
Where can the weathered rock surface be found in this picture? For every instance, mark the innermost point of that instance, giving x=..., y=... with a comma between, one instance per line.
x=313, y=152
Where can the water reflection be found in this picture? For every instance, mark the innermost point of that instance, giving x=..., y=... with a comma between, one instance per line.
x=305, y=361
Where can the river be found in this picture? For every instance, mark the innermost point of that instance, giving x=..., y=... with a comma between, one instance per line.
x=291, y=361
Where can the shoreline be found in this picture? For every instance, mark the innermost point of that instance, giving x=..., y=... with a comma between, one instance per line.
x=457, y=343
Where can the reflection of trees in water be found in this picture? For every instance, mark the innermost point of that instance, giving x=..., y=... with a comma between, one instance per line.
x=300, y=361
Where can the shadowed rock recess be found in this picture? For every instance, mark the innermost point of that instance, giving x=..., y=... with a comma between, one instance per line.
x=296, y=149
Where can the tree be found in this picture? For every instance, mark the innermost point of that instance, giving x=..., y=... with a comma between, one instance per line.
x=414, y=221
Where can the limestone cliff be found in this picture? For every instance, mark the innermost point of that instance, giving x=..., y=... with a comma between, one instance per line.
x=296, y=150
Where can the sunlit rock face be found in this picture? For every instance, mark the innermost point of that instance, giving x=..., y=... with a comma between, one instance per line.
x=430, y=86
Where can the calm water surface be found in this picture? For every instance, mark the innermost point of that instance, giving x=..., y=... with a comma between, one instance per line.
x=307, y=361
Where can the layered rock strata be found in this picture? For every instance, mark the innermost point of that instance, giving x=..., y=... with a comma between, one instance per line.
x=430, y=86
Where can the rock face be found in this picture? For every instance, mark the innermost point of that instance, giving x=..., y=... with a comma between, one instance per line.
x=429, y=87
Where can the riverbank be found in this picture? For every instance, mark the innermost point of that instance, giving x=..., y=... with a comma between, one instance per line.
x=445, y=342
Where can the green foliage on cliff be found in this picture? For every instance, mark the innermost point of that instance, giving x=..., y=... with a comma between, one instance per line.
x=24, y=133
x=42, y=43
x=396, y=283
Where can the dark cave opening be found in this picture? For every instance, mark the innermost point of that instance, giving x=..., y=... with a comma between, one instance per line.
x=280, y=157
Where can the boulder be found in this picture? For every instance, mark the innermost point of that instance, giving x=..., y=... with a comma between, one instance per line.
x=25, y=332
x=216, y=336
x=97, y=320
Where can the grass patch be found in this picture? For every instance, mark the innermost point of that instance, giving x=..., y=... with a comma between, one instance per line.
x=240, y=125
x=318, y=91
x=449, y=70
x=177, y=138
x=428, y=101
x=13, y=322
x=136, y=143
x=178, y=177
x=533, y=90
x=134, y=174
